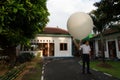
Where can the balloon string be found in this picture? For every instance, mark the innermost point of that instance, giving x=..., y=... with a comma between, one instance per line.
x=77, y=44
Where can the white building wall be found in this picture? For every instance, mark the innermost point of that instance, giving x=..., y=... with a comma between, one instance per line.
x=57, y=41
x=118, y=52
x=66, y=53
x=108, y=38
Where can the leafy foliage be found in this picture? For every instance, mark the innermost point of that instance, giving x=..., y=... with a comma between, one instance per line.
x=109, y=9
x=21, y=20
x=106, y=14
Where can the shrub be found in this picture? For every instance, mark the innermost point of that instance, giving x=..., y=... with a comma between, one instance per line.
x=24, y=57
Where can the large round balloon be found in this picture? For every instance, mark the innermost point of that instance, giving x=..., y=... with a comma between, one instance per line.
x=79, y=25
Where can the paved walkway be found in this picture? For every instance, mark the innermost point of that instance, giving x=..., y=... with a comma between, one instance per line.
x=69, y=69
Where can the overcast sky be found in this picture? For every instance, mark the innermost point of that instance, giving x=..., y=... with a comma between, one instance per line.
x=60, y=10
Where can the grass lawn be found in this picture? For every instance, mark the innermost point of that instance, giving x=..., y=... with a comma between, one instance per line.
x=114, y=70
x=3, y=69
x=34, y=72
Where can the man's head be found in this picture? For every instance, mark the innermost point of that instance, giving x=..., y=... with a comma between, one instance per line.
x=86, y=42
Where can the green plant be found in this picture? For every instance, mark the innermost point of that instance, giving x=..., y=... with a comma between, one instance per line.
x=24, y=57
x=38, y=54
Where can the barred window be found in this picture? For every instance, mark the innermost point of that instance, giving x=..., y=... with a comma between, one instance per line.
x=63, y=46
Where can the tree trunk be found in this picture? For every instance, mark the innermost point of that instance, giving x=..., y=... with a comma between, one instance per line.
x=11, y=53
x=102, y=47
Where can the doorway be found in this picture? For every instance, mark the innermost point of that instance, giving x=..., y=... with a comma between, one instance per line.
x=112, y=49
x=47, y=49
x=51, y=49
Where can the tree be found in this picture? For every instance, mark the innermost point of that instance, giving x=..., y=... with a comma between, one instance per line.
x=21, y=20
x=108, y=10
x=106, y=15
x=99, y=27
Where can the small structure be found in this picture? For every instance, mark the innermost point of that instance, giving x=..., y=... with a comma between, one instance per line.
x=112, y=44
x=53, y=42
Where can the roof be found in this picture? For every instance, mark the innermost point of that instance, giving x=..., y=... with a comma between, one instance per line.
x=109, y=32
x=54, y=30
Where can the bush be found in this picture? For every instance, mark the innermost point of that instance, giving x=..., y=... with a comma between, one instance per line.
x=24, y=57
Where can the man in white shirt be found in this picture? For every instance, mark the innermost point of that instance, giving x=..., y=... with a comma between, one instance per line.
x=85, y=56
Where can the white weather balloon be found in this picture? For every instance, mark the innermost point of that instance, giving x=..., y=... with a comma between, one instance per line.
x=79, y=25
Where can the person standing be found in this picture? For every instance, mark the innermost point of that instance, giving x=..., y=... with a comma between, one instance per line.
x=85, y=56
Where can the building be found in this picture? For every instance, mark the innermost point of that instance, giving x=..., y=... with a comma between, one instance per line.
x=112, y=44
x=53, y=42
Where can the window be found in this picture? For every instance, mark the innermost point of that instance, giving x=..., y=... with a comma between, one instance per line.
x=63, y=46
x=40, y=40
x=43, y=40
x=37, y=40
x=32, y=48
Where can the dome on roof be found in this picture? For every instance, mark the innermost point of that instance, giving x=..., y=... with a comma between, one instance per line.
x=53, y=30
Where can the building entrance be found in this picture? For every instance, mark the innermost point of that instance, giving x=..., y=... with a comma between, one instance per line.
x=47, y=49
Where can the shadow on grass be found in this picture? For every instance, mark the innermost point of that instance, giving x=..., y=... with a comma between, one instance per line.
x=104, y=65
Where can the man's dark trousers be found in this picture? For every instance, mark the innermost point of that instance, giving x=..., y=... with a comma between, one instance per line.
x=86, y=60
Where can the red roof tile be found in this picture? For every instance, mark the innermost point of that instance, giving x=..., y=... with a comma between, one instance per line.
x=53, y=30
x=111, y=31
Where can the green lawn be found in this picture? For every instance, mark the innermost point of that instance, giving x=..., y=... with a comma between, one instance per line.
x=34, y=73
x=114, y=71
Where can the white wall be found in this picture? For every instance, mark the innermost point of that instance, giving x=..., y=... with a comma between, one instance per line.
x=109, y=38
x=118, y=52
x=66, y=53
x=57, y=41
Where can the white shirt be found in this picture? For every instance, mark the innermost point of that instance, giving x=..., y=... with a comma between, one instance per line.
x=85, y=48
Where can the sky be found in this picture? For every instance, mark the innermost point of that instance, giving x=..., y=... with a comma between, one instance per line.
x=60, y=10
